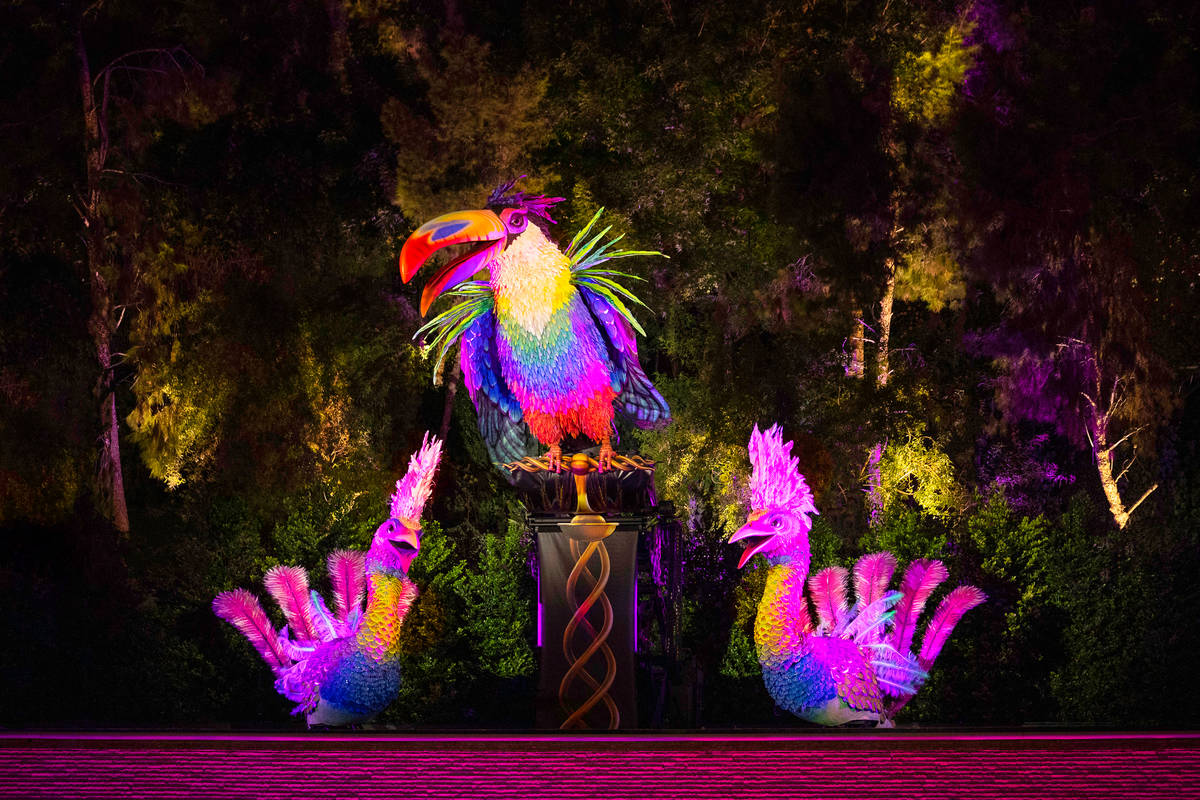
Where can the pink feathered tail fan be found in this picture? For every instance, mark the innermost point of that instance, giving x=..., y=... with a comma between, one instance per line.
x=960, y=600
x=348, y=574
x=872, y=574
x=828, y=592
x=920, y=579
x=289, y=587
x=242, y=610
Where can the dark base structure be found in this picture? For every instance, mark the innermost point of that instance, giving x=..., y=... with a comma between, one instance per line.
x=593, y=532
x=823, y=764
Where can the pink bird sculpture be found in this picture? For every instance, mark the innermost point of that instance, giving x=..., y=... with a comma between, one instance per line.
x=855, y=662
x=546, y=338
x=342, y=666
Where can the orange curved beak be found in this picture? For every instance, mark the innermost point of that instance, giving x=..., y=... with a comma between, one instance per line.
x=481, y=229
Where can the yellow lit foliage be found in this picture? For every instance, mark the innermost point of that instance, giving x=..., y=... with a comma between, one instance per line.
x=172, y=432
x=918, y=469
x=691, y=462
x=928, y=271
x=177, y=403
x=927, y=83
x=332, y=436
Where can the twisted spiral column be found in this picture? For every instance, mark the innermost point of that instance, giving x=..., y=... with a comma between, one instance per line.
x=587, y=531
x=598, y=639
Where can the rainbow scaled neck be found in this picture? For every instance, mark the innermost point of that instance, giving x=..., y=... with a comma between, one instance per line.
x=783, y=621
x=531, y=280
x=389, y=595
x=389, y=590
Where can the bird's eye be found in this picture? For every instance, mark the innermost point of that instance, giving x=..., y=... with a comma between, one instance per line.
x=516, y=222
x=776, y=522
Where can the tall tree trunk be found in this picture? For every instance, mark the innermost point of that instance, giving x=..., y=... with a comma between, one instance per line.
x=109, y=480
x=1101, y=410
x=882, y=367
x=858, y=352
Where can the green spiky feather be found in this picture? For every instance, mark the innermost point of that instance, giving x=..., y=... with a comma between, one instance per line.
x=475, y=297
x=447, y=326
x=586, y=259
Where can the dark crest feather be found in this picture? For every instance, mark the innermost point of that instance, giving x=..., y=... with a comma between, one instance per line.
x=505, y=197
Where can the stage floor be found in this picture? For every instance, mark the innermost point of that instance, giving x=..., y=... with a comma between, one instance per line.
x=896, y=764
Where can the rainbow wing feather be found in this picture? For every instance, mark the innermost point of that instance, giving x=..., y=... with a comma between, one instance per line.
x=498, y=409
x=637, y=399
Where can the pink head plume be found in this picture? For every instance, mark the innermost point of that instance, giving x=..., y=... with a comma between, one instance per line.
x=775, y=481
x=414, y=489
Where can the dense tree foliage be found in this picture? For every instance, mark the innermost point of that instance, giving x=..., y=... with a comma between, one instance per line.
x=950, y=247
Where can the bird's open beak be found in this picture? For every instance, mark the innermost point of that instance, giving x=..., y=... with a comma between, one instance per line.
x=483, y=230
x=404, y=536
x=407, y=543
x=756, y=535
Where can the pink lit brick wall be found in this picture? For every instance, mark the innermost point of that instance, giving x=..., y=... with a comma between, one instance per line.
x=883, y=765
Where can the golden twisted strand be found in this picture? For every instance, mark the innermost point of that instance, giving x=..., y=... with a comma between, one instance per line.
x=618, y=462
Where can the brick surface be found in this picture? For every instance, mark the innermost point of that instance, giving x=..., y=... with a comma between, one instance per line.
x=881, y=765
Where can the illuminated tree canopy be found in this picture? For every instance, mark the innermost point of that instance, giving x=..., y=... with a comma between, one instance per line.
x=950, y=247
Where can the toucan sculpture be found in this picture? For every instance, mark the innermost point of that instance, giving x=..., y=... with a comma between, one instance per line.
x=546, y=339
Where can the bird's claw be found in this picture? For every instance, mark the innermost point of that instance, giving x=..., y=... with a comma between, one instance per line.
x=554, y=458
x=604, y=459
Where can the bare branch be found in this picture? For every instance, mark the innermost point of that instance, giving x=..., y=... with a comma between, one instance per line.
x=80, y=210
x=140, y=176
x=1115, y=444
x=1145, y=494
x=102, y=119
x=1125, y=471
x=1114, y=402
x=162, y=51
x=131, y=68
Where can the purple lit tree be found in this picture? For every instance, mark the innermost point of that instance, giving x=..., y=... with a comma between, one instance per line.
x=1074, y=206
x=1084, y=364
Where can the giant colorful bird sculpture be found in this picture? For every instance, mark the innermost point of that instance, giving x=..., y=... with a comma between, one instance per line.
x=546, y=340
x=857, y=662
x=343, y=667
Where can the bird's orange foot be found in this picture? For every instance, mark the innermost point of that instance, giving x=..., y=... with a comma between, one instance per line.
x=554, y=457
x=605, y=457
